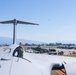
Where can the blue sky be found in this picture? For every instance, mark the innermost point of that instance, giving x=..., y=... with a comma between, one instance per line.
x=56, y=19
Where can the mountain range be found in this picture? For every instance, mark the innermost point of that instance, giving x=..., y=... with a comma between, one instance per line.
x=7, y=40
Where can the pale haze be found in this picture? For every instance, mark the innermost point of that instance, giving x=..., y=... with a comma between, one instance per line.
x=56, y=19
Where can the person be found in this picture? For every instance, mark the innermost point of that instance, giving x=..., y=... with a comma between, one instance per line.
x=19, y=51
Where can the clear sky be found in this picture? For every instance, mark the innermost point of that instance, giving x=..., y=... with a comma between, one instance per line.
x=56, y=19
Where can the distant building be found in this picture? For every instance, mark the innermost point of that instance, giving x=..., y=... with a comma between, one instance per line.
x=67, y=46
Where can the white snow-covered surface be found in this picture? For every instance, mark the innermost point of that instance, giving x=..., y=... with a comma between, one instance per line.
x=41, y=64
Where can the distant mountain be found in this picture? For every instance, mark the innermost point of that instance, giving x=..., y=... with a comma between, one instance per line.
x=7, y=40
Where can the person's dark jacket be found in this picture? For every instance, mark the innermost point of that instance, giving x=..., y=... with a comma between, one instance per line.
x=19, y=52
